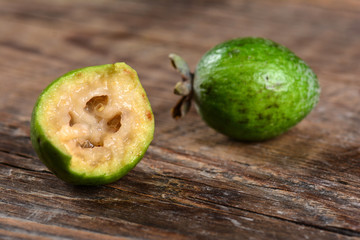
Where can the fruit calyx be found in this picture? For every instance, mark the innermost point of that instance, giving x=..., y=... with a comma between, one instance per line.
x=183, y=88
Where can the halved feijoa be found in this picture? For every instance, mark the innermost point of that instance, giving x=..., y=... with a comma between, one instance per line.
x=93, y=125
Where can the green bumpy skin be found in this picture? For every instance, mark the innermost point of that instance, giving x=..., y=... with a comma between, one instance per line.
x=253, y=89
x=56, y=158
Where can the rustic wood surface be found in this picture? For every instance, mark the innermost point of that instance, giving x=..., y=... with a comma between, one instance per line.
x=193, y=183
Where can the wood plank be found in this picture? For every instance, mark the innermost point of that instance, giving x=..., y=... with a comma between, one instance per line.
x=70, y=40
x=303, y=200
x=193, y=182
x=119, y=209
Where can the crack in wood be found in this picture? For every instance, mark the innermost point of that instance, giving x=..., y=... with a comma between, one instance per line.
x=24, y=169
x=17, y=154
x=53, y=230
x=338, y=230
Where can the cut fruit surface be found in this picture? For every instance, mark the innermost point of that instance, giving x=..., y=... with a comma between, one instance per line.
x=92, y=125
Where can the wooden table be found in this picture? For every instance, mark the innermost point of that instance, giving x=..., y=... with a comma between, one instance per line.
x=193, y=183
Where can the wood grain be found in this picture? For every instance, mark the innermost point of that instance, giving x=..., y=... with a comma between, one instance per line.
x=193, y=183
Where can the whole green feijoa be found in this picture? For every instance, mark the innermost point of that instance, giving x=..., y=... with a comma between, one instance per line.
x=249, y=89
x=93, y=125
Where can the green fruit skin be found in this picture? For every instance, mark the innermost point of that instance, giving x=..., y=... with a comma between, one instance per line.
x=59, y=162
x=253, y=89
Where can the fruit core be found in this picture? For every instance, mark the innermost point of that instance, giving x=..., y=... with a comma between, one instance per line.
x=106, y=125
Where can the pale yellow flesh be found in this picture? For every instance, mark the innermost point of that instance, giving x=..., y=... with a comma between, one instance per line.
x=102, y=119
